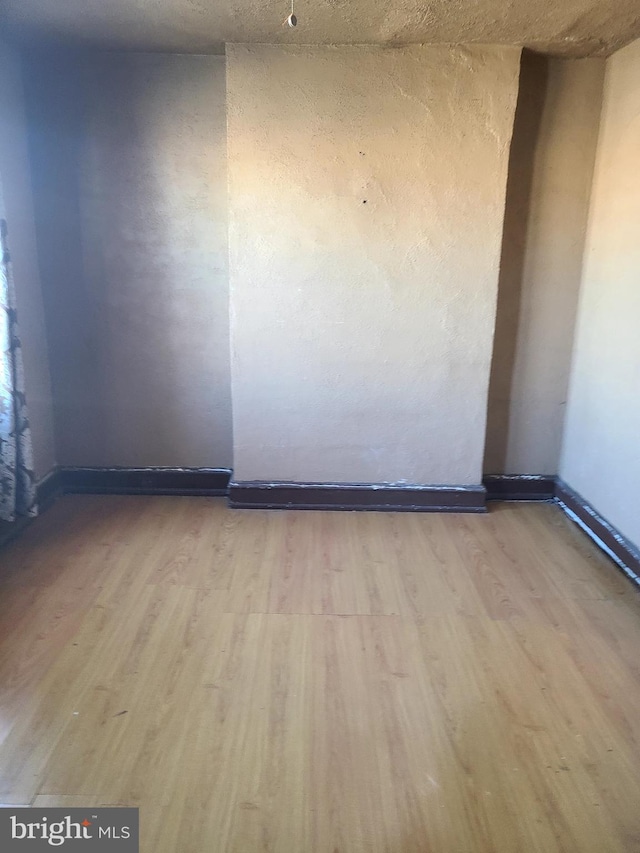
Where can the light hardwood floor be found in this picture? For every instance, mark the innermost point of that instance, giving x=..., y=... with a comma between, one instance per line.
x=311, y=682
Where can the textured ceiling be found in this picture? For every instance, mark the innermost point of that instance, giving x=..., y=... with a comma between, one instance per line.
x=572, y=27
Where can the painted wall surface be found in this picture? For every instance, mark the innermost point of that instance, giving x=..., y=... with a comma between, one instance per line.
x=550, y=176
x=601, y=450
x=18, y=211
x=366, y=198
x=129, y=162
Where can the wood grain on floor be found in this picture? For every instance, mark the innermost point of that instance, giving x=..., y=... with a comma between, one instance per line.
x=322, y=682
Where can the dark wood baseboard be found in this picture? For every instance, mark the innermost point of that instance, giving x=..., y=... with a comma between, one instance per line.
x=335, y=496
x=49, y=489
x=625, y=554
x=520, y=487
x=145, y=481
x=259, y=494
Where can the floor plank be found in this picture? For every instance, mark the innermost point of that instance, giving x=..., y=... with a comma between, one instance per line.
x=317, y=681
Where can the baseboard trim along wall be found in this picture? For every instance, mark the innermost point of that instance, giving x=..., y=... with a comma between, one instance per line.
x=529, y=487
x=259, y=494
x=520, y=487
x=623, y=552
x=145, y=481
x=49, y=489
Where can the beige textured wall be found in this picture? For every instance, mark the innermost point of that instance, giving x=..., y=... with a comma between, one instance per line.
x=129, y=160
x=366, y=197
x=551, y=170
x=18, y=210
x=601, y=450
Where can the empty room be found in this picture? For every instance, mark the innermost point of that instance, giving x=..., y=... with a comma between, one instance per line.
x=320, y=426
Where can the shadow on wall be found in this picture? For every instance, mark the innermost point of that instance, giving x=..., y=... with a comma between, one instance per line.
x=55, y=103
x=128, y=159
x=534, y=73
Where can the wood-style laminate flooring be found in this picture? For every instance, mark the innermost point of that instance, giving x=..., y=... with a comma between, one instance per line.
x=322, y=682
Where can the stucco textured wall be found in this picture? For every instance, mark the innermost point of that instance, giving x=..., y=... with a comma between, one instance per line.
x=16, y=192
x=541, y=268
x=601, y=450
x=129, y=158
x=366, y=197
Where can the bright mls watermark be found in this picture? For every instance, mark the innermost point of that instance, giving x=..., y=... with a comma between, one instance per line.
x=83, y=830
